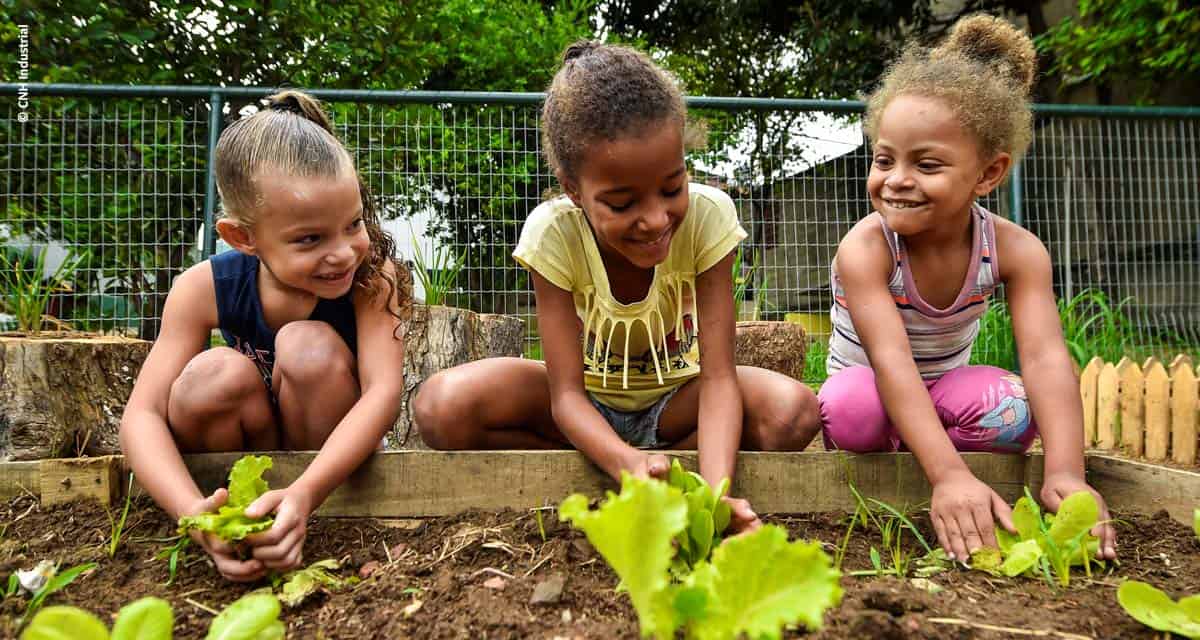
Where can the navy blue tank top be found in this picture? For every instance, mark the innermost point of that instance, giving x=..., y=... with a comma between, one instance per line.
x=240, y=315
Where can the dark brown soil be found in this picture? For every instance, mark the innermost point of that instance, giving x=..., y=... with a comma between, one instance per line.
x=444, y=564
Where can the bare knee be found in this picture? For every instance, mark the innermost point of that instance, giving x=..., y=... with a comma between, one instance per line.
x=442, y=416
x=215, y=381
x=311, y=354
x=789, y=423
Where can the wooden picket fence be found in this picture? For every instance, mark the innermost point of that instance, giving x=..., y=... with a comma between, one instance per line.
x=1148, y=411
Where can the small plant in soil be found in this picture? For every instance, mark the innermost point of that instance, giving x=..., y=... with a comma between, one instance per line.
x=1045, y=544
x=253, y=617
x=173, y=554
x=230, y=521
x=55, y=583
x=118, y=525
x=752, y=584
x=890, y=523
x=1157, y=610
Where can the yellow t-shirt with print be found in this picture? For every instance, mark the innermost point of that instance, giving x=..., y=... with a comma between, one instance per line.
x=632, y=353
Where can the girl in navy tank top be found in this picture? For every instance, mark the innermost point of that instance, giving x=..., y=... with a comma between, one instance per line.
x=309, y=302
x=911, y=279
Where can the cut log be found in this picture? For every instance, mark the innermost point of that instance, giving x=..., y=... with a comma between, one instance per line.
x=64, y=396
x=777, y=346
x=442, y=337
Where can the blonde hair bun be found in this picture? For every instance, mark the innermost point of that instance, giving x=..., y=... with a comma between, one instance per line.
x=993, y=41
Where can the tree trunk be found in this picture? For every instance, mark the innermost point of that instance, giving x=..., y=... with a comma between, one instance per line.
x=64, y=396
x=442, y=337
x=777, y=346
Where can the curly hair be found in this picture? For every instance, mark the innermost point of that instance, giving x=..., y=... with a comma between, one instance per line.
x=984, y=71
x=604, y=92
x=294, y=136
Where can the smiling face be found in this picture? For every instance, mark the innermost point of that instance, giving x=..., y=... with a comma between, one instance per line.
x=308, y=232
x=926, y=169
x=634, y=191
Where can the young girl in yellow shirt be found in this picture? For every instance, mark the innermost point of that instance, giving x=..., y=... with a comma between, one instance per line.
x=632, y=270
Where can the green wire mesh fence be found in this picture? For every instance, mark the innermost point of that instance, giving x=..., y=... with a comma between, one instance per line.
x=120, y=176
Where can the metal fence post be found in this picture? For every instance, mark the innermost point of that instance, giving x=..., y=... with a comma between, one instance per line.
x=216, y=104
x=1015, y=196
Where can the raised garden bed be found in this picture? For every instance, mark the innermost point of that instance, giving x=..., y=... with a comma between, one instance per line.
x=453, y=564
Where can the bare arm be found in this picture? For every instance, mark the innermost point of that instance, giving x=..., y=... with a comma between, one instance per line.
x=719, y=422
x=381, y=380
x=188, y=319
x=864, y=264
x=1045, y=364
x=1050, y=382
x=573, y=412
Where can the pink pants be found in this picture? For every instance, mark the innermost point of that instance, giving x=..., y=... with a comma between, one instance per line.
x=982, y=408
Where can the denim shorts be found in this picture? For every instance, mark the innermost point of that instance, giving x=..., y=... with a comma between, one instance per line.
x=638, y=428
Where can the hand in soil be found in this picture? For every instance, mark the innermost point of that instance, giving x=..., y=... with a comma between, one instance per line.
x=742, y=517
x=961, y=509
x=1057, y=486
x=282, y=546
x=650, y=465
x=224, y=555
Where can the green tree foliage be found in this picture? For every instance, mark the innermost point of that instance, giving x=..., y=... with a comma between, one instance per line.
x=1144, y=41
x=129, y=174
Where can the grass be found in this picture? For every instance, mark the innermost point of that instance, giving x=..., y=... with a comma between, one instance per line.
x=890, y=523
x=172, y=554
x=118, y=526
x=1092, y=325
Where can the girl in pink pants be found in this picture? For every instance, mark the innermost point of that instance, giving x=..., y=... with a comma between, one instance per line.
x=911, y=280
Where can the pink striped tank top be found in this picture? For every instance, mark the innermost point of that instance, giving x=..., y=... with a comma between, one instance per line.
x=941, y=339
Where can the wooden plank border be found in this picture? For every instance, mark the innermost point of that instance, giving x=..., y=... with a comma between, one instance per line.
x=410, y=484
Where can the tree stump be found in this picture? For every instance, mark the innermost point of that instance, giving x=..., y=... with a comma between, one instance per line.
x=442, y=337
x=777, y=346
x=63, y=396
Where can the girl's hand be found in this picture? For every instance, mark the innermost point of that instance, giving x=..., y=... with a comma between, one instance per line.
x=962, y=509
x=282, y=546
x=650, y=465
x=1057, y=486
x=742, y=517
x=224, y=555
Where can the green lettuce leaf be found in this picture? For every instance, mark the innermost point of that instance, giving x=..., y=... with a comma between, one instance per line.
x=1077, y=514
x=1027, y=516
x=65, y=623
x=1156, y=610
x=300, y=584
x=759, y=582
x=633, y=531
x=230, y=521
x=987, y=559
x=145, y=619
x=252, y=617
x=1196, y=522
x=1022, y=557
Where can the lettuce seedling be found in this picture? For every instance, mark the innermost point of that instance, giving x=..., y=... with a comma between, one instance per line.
x=708, y=516
x=145, y=619
x=1196, y=522
x=1046, y=542
x=754, y=583
x=633, y=531
x=298, y=585
x=230, y=521
x=254, y=616
x=1156, y=610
